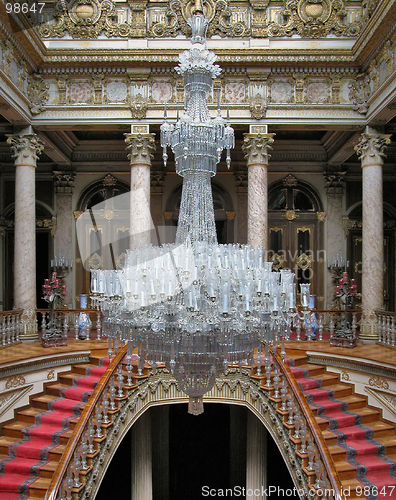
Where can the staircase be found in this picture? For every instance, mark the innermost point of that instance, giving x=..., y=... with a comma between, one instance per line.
x=33, y=443
x=361, y=443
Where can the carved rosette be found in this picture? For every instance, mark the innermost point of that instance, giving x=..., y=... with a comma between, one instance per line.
x=25, y=149
x=256, y=148
x=370, y=149
x=140, y=147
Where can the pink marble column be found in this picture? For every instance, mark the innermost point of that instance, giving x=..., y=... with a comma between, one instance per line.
x=370, y=151
x=26, y=148
x=140, y=147
x=256, y=147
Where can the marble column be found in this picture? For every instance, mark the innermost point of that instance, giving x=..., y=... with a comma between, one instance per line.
x=142, y=481
x=140, y=147
x=371, y=151
x=26, y=149
x=334, y=183
x=256, y=457
x=63, y=241
x=241, y=182
x=256, y=147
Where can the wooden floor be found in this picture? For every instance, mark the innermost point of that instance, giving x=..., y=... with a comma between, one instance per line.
x=20, y=352
x=377, y=354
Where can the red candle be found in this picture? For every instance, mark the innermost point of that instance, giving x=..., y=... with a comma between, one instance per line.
x=46, y=282
x=345, y=276
x=337, y=289
x=353, y=281
x=53, y=276
x=341, y=282
x=64, y=289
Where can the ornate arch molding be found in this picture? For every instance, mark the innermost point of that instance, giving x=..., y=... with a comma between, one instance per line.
x=109, y=185
x=233, y=388
x=293, y=182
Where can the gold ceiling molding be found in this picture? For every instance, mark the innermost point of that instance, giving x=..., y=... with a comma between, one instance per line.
x=218, y=12
x=313, y=19
x=87, y=19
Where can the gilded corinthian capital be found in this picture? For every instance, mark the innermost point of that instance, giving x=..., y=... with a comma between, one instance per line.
x=26, y=148
x=256, y=148
x=370, y=149
x=140, y=147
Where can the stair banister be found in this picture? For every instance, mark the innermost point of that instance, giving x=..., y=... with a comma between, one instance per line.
x=88, y=412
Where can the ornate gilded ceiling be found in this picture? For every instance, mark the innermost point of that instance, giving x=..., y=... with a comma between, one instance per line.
x=89, y=19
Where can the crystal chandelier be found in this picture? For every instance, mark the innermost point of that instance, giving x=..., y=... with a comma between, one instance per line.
x=195, y=305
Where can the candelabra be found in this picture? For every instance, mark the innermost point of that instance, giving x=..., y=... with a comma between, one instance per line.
x=53, y=293
x=62, y=267
x=345, y=292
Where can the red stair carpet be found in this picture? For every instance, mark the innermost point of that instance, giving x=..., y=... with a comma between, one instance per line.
x=375, y=470
x=25, y=457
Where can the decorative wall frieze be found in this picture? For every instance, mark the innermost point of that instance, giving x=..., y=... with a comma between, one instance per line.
x=261, y=94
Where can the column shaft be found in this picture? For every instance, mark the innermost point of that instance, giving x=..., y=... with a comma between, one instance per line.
x=370, y=150
x=25, y=147
x=141, y=224
x=256, y=459
x=256, y=147
x=142, y=481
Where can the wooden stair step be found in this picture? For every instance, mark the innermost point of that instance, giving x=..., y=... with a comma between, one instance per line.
x=14, y=429
x=28, y=415
x=312, y=369
x=322, y=422
x=337, y=453
x=55, y=389
x=5, y=442
x=42, y=401
x=368, y=414
x=389, y=442
x=48, y=469
x=381, y=429
x=340, y=390
x=354, y=401
x=345, y=470
x=67, y=378
x=328, y=379
x=39, y=487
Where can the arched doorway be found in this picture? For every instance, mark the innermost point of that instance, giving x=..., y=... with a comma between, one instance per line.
x=223, y=209
x=295, y=239
x=104, y=237
x=45, y=227
x=353, y=227
x=193, y=457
